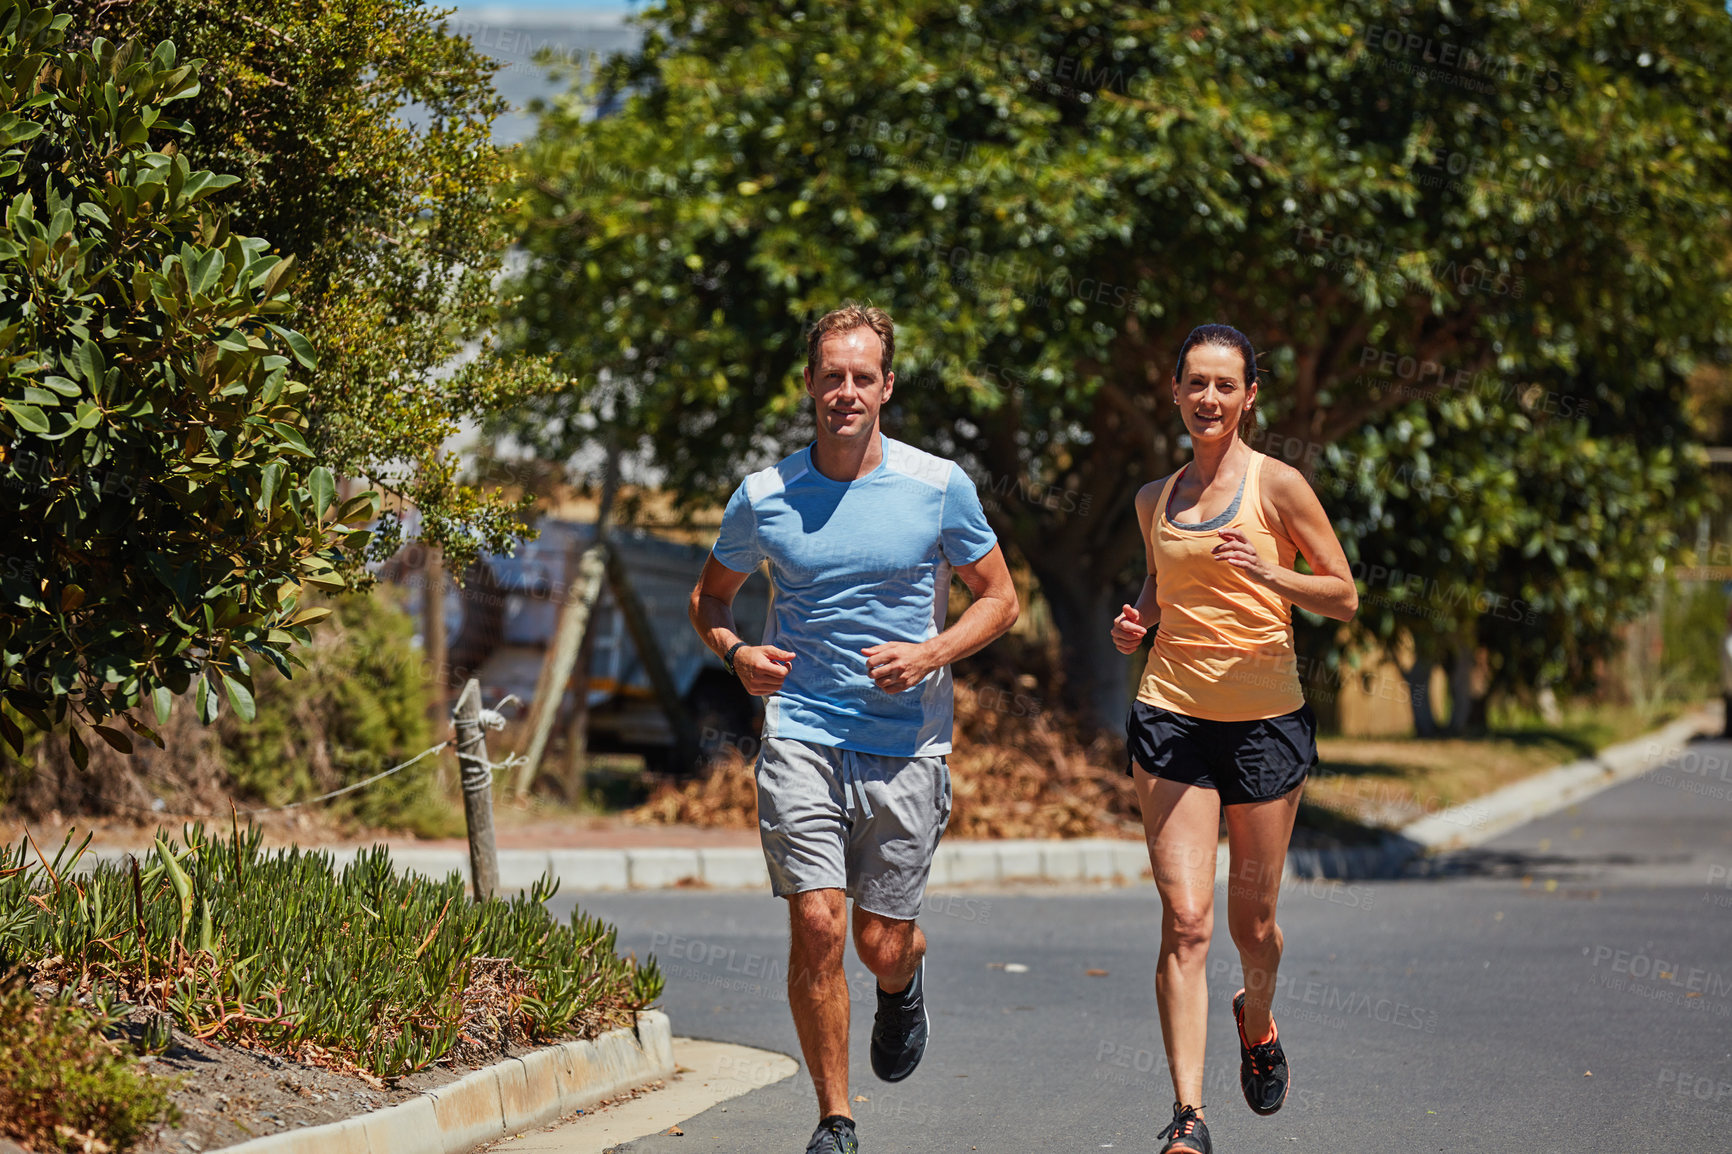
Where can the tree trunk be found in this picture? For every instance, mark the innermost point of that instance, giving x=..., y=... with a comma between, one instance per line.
x=1466, y=711
x=1096, y=675
x=1418, y=676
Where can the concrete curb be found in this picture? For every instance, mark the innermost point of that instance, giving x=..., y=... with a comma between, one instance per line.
x=1483, y=818
x=1108, y=860
x=506, y=1098
x=1478, y=821
x=742, y=867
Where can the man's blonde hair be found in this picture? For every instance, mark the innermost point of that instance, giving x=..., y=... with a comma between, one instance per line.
x=852, y=315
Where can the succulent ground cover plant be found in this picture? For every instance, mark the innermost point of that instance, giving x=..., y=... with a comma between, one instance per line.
x=357, y=968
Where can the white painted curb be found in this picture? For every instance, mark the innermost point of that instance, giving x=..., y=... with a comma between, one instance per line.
x=743, y=868
x=506, y=1098
x=1483, y=818
x=1075, y=860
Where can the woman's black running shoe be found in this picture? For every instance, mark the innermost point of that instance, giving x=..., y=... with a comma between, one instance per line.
x=1263, y=1067
x=1186, y=1132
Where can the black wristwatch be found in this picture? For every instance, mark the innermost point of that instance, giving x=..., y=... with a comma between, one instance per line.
x=728, y=657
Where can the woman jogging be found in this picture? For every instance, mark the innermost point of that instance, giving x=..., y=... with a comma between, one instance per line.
x=1219, y=718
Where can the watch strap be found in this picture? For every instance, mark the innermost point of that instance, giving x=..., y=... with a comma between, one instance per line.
x=728, y=658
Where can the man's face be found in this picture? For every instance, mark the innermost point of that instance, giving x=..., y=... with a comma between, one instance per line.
x=847, y=385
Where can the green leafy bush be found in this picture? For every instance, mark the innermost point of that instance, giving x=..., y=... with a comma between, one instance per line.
x=62, y=1083
x=359, y=707
x=163, y=508
x=1693, y=624
x=283, y=952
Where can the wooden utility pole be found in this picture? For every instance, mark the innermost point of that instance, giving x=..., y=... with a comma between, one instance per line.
x=477, y=777
x=572, y=642
x=649, y=651
x=574, y=617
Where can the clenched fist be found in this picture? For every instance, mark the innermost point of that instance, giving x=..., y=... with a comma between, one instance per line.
x=762, y=668
x=1128, y=630
x=897, y=665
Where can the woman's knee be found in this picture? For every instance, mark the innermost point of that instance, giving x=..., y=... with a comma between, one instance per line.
x=1255, y=932
x=1186, y=930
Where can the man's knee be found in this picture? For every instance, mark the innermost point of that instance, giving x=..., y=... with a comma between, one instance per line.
x=818, y=923
x=882, y=943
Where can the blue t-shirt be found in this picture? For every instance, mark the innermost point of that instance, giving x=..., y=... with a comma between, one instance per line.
x=854, y=564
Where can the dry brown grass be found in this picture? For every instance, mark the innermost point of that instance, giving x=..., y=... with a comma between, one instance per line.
x=1018, y=770
x=1388, y=782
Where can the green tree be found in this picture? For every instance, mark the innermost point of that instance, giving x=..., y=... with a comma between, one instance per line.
x=1536, y=565
x=1049, y=195
x=164, y=513
x=361, y=136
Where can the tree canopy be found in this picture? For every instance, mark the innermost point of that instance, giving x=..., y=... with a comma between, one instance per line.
x=165, y=516
x=360, y=134
x=1048, y=195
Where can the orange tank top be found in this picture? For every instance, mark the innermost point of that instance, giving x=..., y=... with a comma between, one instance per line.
x=1223, y=649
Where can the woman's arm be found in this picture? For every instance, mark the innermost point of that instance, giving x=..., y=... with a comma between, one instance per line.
x=1135, y=621
x=1328, y=589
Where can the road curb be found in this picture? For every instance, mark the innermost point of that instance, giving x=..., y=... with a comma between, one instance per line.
x=743, y=868
x=1104, y=860
x=1432, y=838
x=496, y=1101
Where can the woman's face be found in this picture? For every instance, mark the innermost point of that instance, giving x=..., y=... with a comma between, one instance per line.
x=1211, y=392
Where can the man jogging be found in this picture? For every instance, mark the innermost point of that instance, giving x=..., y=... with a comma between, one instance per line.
x=861, y=533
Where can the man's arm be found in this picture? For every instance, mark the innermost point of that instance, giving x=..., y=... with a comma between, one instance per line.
x=899, y=665
x=761, y=668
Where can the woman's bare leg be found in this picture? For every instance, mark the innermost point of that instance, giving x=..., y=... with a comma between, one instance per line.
x=1182, y=823
x=1257, y=837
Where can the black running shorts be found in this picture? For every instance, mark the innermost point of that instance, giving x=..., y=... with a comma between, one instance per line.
x=1244, y=760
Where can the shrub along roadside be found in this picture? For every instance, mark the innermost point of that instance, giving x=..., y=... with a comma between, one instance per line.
x=353, y=969
x=63, y=1086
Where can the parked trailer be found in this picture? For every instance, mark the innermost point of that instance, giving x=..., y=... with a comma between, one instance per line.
x=505, y=633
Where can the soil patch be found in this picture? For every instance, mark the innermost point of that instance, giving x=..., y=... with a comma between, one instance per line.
x=228, y=1095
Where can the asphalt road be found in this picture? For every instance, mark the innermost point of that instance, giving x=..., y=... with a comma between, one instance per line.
x=1567, y=987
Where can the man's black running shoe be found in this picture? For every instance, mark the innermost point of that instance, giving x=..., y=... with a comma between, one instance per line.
x=1263, y=1067
x=900, y=1030
x=834, y=1135
x=1186, y=1132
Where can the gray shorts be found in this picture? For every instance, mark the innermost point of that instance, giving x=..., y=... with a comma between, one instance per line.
x=858, y=822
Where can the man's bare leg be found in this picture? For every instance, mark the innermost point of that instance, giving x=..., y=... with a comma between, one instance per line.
x=818, y=992
x=890, y=947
